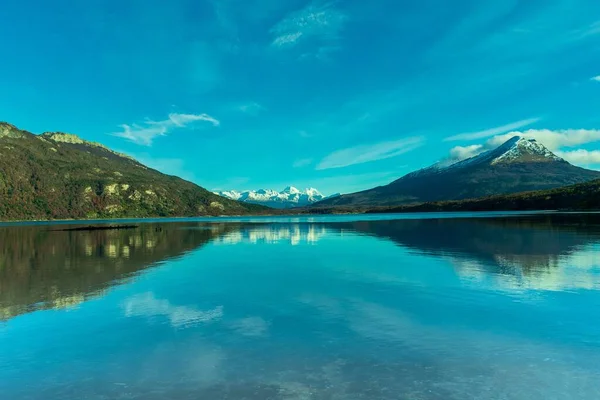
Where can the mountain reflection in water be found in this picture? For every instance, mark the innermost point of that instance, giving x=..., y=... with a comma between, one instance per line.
x=428, y=309
x=548, y=251
x=41, y=268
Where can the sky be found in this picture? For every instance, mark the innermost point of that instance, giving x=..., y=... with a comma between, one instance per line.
x=337, y=95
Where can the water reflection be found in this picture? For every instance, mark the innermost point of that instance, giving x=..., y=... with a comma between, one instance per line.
x=376, y=310
x=292, y=234
x=41, y=268
x=546, y=252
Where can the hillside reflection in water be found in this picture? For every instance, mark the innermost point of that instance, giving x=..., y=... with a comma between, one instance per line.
x=436, y=308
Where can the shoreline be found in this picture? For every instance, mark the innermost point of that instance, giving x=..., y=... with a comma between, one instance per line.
x=234, y=218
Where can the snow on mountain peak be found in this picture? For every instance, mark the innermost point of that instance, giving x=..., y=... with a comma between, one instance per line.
x=516, y=149
x=230, y=194
x=525, y=148
x=313, y=192
x=291, y=190
x=287, y=198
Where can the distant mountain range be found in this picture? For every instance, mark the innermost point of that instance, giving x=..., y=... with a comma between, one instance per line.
x=519, y=165
x=287, y=198
x=60, y=176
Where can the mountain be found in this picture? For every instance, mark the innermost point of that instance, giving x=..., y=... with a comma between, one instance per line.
x=580, y=197
x=518, y=165
x=287, y=198
x=60, y=176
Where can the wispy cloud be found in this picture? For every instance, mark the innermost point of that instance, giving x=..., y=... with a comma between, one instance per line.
x=493, y=131
x=286, y=39
x=320, y=21
x=596, y=78
x=590, y=30
x=147, y=305
x=463, y=152
x=368, y=153
x=145, y=133
x=553, y=139
x=302, y=162
x=181, y=120
x=251, y=108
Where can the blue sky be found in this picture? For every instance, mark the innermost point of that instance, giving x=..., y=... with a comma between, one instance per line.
x=339, y=95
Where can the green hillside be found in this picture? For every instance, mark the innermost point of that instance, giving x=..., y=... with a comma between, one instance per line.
x=60, y=176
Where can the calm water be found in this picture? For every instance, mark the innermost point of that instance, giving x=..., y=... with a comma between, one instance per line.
x=325, y=308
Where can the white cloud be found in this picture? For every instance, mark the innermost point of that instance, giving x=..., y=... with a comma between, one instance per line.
x=302, y=162
x=596, y=78
x=181, y=120
x=320, y=21
x=591, y=30
x=462, y=153
x=493, y=131
x=553, y=140
x=581, y=156
x=147, y=305
x=144, y=134
x=140, y=134
x=368, y=153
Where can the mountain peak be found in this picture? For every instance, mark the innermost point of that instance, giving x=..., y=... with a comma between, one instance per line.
x=7, y=125
x=9, y=130
x=291, y=190
x=287, y=198
x=522, y=149
x=521, y=164
x=313, y=192
x=517, y=149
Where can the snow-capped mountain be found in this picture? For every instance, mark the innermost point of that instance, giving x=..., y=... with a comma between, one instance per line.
x=287, y=198
x=515, y=150
x=518, y=165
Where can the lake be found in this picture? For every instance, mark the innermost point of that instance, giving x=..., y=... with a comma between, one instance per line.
x=437, y=306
